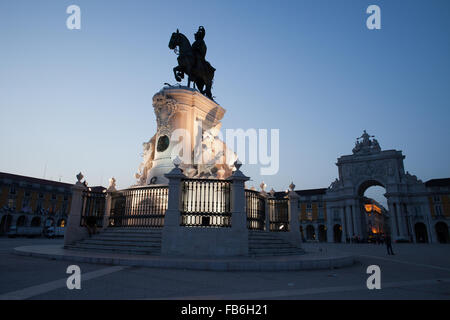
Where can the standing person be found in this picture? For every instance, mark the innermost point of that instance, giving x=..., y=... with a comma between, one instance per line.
x=388, y=241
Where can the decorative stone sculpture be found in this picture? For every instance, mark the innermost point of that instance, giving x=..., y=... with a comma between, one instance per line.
x=263, y=186
x=364, y=145
x=80, y=177
x=112, y=185
x=292, y=186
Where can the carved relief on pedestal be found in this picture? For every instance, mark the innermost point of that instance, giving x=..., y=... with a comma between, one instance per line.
x=165, y=108
x=215, y=158
x=148, y=155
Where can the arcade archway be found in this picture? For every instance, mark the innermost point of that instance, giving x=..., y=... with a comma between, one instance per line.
x=442, y=232
x=421, y=232
x=337, y=233
x=310, y=233
x=5, y=223
x=322, y=233
x=36, y=222
x=21, y=221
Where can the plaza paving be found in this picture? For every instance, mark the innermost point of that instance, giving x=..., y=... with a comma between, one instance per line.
x=415, y=272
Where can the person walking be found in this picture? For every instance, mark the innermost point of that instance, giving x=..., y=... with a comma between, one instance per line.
x=388, y=241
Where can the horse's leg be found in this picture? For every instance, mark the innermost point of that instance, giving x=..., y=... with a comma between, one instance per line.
x=208, y=90
x=200, y=86
x=175, y=73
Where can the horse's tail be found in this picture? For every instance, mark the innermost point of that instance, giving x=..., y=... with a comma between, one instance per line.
x=211, y=71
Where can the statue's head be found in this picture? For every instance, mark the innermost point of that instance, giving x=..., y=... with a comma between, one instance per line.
x=200, y=34
x=174, y=40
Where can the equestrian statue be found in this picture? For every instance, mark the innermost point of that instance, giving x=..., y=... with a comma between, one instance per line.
x=191, y=61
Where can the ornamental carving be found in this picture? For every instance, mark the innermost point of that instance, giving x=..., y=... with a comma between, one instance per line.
x=165, y=108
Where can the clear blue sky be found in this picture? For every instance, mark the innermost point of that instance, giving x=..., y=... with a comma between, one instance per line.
x=75, y=101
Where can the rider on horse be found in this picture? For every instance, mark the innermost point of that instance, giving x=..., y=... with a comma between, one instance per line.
x=199, y=46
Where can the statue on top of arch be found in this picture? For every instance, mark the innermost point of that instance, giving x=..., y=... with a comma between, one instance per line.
x=365, y=145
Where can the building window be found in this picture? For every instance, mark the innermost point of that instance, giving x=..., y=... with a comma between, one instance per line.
x=12, y=189
x=39, y=205
x=41, y=195
x=26, y=202
x=11, y=202
x=438, y=210
x=320, y=213
x=437, y=199
x=309, y=205
x=64, y=208
x=53, y=196
x=418, y=211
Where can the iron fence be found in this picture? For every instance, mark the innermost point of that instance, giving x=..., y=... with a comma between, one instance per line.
x=93, y=205
x=278, y=215
x=205, y=203
x=142, y=207
x=255, y=206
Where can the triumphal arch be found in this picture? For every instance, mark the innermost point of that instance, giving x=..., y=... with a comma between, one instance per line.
x=367, y=166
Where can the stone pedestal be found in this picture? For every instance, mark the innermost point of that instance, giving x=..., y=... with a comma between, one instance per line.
x=74, y=231
x=186, y=120
x=172, y=231
x=205, y=242
x=293, y=236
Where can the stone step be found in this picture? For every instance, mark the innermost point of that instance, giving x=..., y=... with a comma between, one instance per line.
x=122, y=243
x=109, y=248
x=122, y=236
x=131, y=239
x=133, y=232
x=261, y=243
x=115, y=249
x=274, y=249
x=273, y=246
x=267, y=240
x=273, y=254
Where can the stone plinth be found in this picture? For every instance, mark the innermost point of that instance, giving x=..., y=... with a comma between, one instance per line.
x=187, y=122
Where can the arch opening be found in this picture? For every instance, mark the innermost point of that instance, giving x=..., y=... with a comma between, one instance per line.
x=442, y=232
x=21, y=221
x=337, y=233
x=373, y=211
x=310, y=233
x=322, y=233
x=421, y=232
x=36, y=222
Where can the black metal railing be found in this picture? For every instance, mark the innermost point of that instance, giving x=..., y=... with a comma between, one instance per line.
x=205, y=203
x=255, y=206
x=278, y=215
x=142, y=207
x=93, y=207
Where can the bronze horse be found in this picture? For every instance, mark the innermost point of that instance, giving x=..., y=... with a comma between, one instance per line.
x=199, y=71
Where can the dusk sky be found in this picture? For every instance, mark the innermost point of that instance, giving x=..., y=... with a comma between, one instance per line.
x=81, y=100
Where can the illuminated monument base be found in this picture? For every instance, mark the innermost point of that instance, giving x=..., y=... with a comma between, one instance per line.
x=188, y=125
